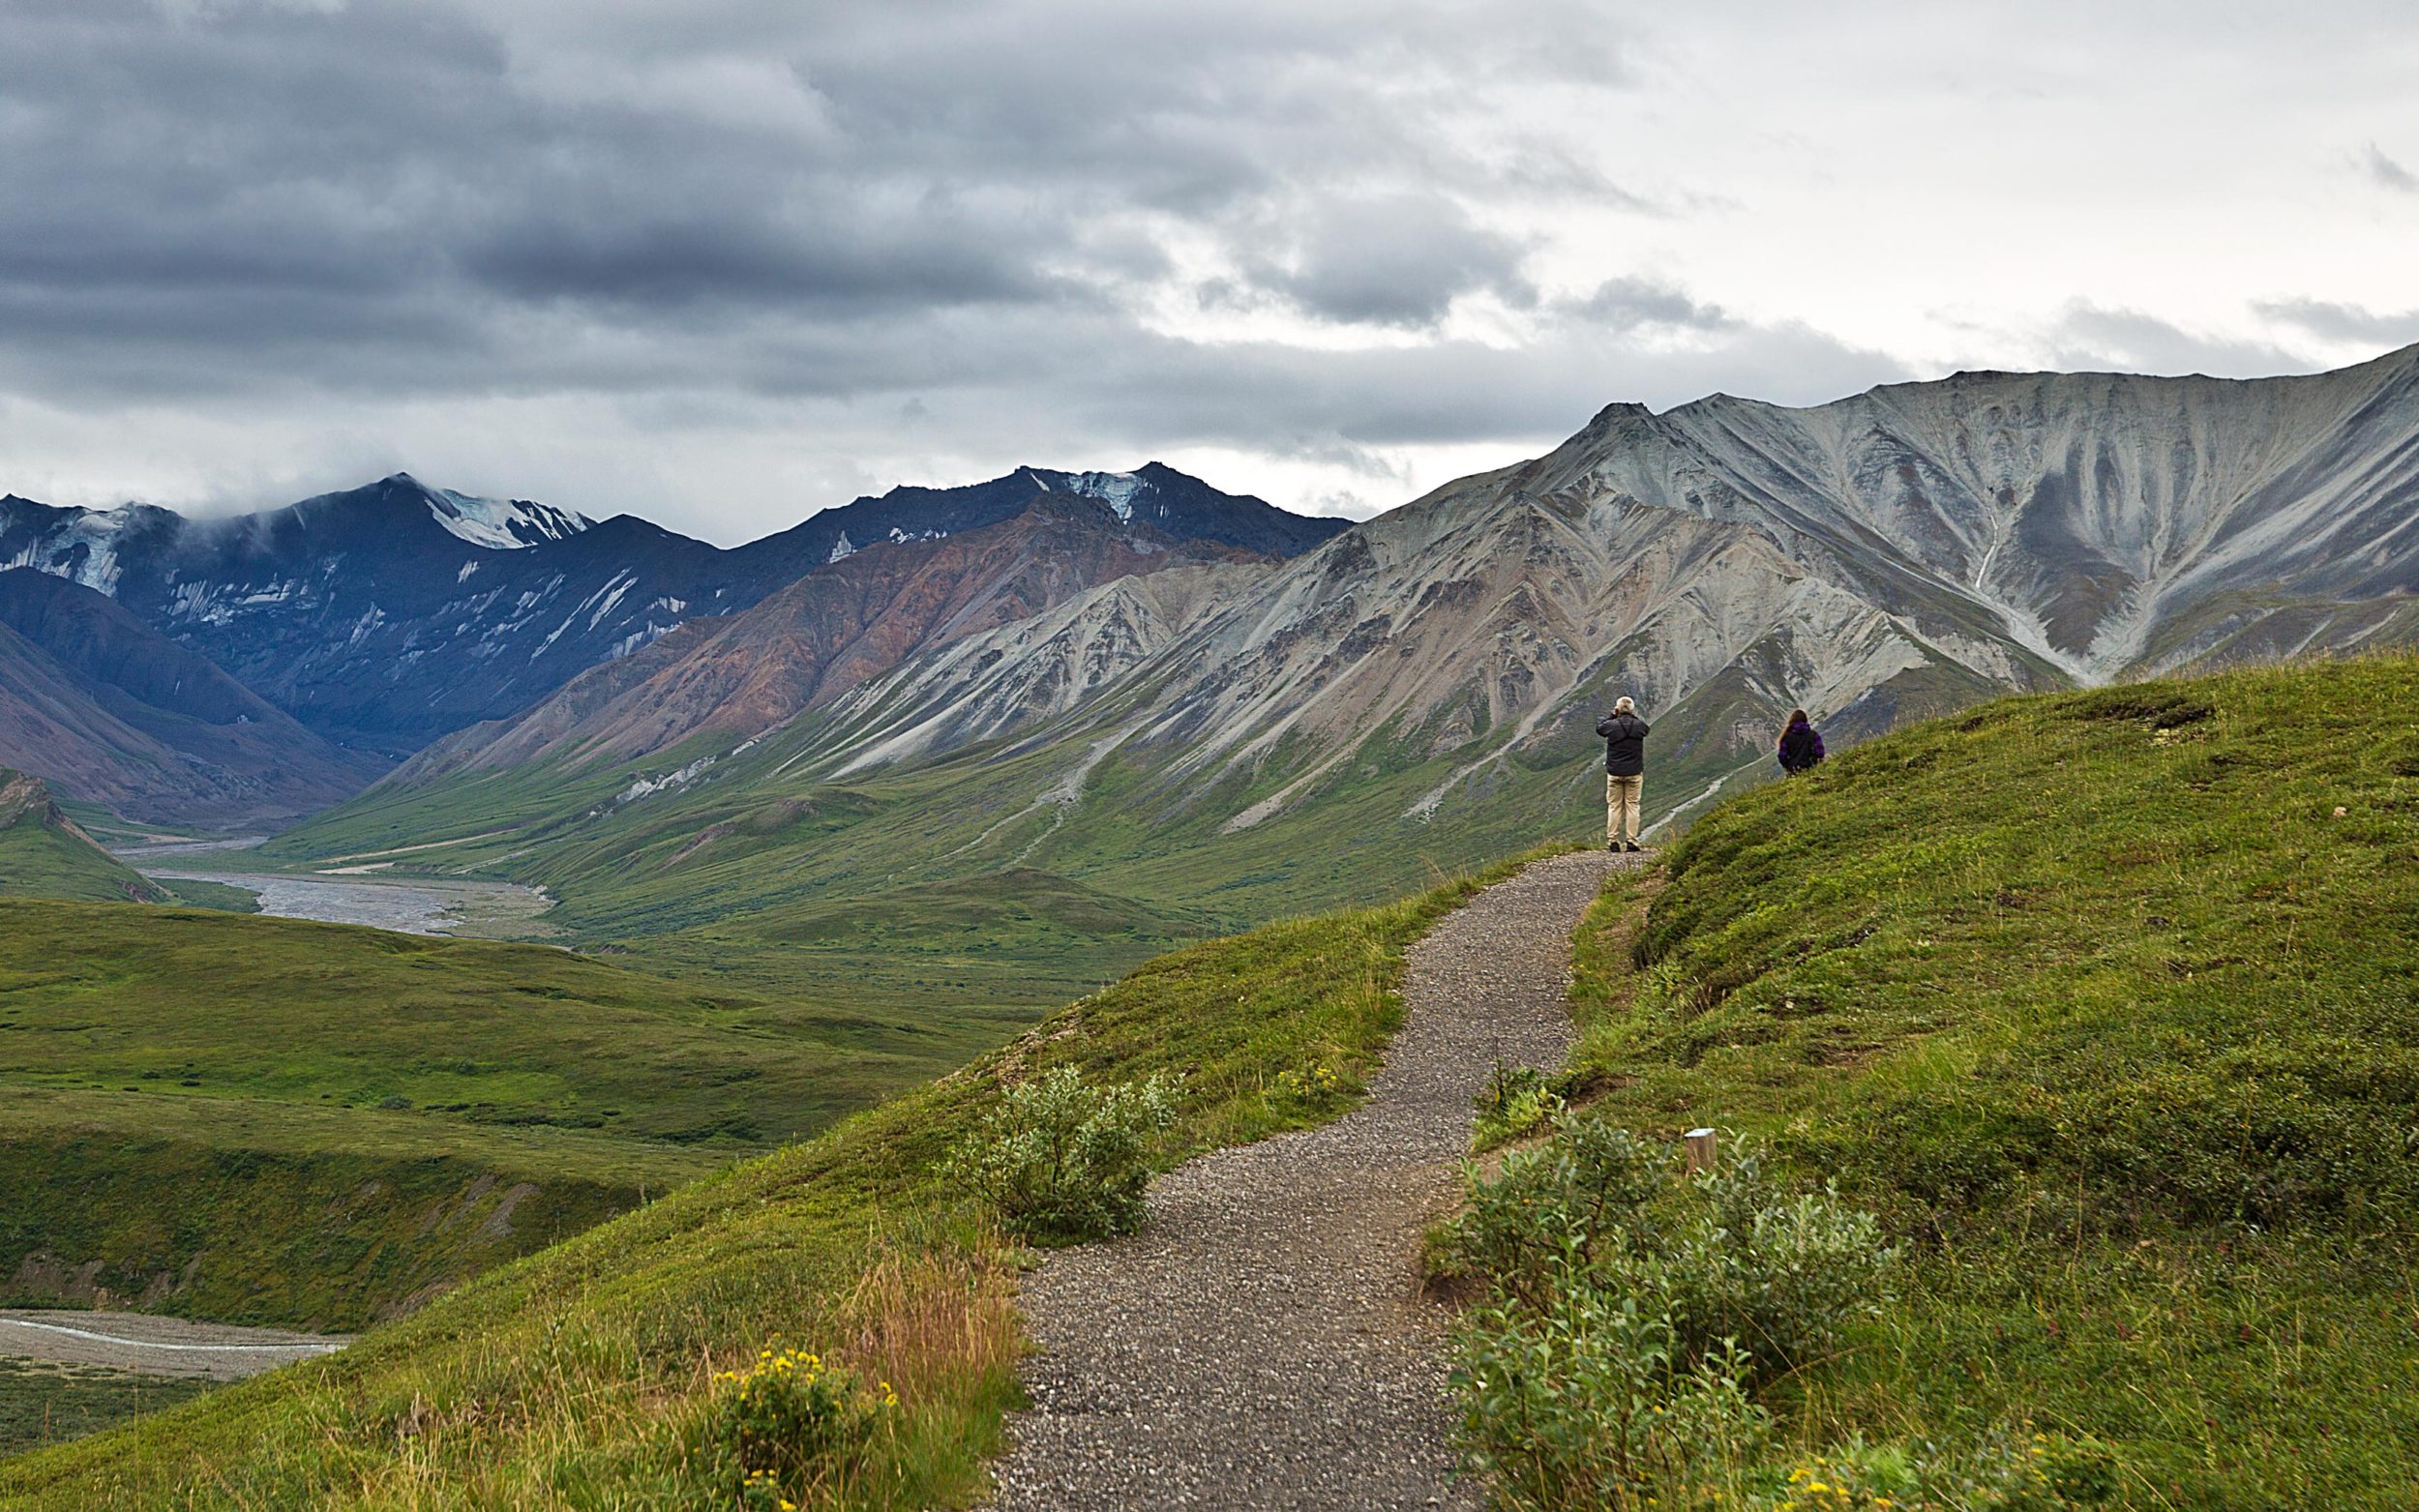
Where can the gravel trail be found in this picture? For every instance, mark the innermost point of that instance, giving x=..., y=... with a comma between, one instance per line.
x=1263, y=1343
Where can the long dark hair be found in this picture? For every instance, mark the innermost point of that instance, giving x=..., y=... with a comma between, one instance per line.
x=1796, y=716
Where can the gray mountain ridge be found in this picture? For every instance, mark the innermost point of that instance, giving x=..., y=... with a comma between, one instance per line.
x=1901, y=551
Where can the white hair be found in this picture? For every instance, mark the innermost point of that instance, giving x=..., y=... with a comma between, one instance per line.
x=1625, y=704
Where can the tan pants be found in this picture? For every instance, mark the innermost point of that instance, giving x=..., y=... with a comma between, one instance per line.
x=1623, y=798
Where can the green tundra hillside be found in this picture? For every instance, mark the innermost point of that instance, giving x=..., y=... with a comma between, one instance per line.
x=581, y=1375
x=2107, y=1005
x=45, y=855
x=263, y=1120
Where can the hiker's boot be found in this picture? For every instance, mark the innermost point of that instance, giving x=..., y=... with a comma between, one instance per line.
x=1634, y=847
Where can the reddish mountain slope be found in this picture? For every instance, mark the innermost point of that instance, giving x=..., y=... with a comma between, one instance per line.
x=826, y=633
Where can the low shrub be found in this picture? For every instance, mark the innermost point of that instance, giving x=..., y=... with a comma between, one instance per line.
x=1630, y=1310
x=1591, y=1401
x=1062, y=1161
x=777, y=1431
x=1783, y=1274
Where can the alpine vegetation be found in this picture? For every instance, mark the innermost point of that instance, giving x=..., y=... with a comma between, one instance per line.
x=1062, y=1160
x=1633, y=1316
x=2101, y=1006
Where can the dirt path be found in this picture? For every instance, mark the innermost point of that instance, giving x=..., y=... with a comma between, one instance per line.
x=152, y=1344
x=1262, y=1344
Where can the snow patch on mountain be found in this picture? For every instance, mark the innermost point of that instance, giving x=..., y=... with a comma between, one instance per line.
x=502, y=525
x=665, y=782
x=84, y=552
x=1116, y=490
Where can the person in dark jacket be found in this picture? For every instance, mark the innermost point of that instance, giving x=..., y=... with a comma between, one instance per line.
x=1624, y=772
x=1801, y=748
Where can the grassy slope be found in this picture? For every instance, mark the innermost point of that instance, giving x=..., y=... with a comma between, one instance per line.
x=564, y=1378
x=44, y=1403
x=2109, y=1003
x=760, y=845
x=266, y=1120
x=42, y=857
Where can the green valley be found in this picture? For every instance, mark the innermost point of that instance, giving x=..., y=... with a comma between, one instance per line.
x=263, y=1120
x=2099, y=1001
x=579, y=1373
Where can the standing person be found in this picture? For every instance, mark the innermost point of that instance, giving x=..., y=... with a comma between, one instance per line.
x=1800, y=747
x=1624, y=772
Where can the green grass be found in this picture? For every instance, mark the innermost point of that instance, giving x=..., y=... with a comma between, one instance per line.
x=45, y=1404
x=566, y=1377
x=2108, y=1005
x=270, y=1121
x=42, y=855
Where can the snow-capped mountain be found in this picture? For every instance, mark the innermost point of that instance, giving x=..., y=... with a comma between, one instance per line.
x=388, y=615
x=827, y=633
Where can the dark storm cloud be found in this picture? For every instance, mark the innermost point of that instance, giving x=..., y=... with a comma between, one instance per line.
x=231, y=180
x=2384, y=170
x=2345, y=323
x=2092, y=338
x=961, y=211
x=1396, y=261
x=1625, y=304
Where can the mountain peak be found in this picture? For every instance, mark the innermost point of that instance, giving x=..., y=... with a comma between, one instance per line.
x=492, y=525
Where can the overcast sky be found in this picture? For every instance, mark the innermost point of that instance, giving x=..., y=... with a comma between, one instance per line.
x=722, y=262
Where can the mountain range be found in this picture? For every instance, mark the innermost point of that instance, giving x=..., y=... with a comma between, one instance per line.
x=361, y=626
x=1233, y=667
x=388, y=615
x=1254, y=737
x=115, y=713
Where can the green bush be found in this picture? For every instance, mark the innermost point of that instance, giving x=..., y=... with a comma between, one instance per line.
x=1062, y=1161
x=1590, y=1401
x=1630, y=1310
x=1783, y=1274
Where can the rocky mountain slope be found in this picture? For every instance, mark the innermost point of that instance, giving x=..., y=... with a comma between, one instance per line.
x=862, y=614
x=1918, y=545
x=110, y=710
x=1424, y=684
x=388, y=615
